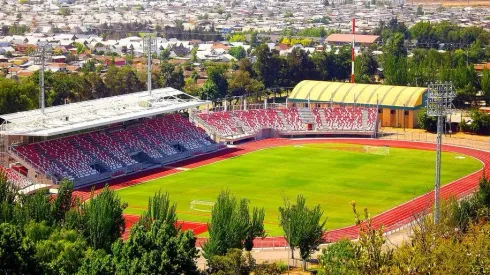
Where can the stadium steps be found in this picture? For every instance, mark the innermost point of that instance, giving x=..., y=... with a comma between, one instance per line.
x=365, y=120
x=284, y=122
x=306, y=116
x=323, y=119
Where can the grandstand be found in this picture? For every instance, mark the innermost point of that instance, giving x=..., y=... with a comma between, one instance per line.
x=242, y=124
x=97, y=140
x=397, y=105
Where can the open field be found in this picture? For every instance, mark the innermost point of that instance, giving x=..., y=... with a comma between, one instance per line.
x=329, y=174
x=455, y=3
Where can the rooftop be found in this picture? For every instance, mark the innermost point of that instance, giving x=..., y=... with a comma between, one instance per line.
x=347, y=38
x=95, y=113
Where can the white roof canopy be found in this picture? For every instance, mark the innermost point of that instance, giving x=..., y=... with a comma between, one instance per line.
x=94, y=113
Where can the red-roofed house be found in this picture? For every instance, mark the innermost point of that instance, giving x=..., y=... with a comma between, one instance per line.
x=340, y=39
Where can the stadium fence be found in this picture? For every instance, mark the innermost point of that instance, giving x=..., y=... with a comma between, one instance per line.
x=448, y=139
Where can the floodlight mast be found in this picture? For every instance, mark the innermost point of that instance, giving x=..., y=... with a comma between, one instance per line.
x=149, y=47
x=439, y=104
x=40, y=56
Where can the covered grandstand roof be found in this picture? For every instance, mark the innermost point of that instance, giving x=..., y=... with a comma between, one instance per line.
x=368, y=94
x=94, y=113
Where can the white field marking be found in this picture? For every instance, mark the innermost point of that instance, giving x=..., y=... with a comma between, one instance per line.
x=177, y=168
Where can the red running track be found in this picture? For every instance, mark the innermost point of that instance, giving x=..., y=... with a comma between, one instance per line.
x=391, y=219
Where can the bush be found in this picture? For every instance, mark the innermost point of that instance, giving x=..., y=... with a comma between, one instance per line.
x=271, y=269
x=426, y=122
x=338, y=258
x=234, y=262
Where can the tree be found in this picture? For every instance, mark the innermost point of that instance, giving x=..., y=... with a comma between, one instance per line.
x=216, y=86
x=485, y=85
x=102, y=221
x=161, y=249
x=366, y=66
x=63, y=201
x=61, y=253
x=96, y=262
x=303, y=227
x=164, y=54
x=159, y=209
x=426, y=122
x=232, y=226
x=131, y=49
x=480, y=122
x=237, y=37
x=268, y=66
x=16, y=252
x=369, y=254
x=338, y=258
x=16, y=96
x=122, y=80
x=242, y=84
x=194, y=54
x=8, y=194
x=238, y=52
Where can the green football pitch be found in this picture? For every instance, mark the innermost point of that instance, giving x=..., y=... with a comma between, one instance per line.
x=332, y=175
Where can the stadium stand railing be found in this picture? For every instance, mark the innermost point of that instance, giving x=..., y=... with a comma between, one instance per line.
x=91, y=157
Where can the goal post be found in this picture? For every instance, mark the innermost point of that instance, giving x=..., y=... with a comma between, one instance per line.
x=201, y=206
x=377, y=150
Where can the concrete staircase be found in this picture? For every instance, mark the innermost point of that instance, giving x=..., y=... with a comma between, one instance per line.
x=283, y=120
x=323, y=120
x=306, y=115
x=365, y=119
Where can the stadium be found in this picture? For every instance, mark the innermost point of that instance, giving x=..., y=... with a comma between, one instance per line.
x=322, y=142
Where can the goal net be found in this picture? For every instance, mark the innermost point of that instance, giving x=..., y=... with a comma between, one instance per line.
x=377, y=150
x=201, y=206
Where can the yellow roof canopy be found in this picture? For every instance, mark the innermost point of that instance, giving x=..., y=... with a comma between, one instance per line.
x=350, y=93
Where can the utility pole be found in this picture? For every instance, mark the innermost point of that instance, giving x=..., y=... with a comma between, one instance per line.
x=41, y=55
x=439, y=104
x=149, y=47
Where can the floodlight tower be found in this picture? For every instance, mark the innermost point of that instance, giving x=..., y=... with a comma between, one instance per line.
x=149, y=47
x=41, y=55
x=439, y=104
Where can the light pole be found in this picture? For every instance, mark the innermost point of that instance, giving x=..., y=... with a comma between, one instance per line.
x=41, y=55
x=439, y=104
x=149, y=47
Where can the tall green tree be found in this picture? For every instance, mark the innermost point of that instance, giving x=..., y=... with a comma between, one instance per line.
x=100, y=219
x=156, y=245
x=159, y=209
x=63, y=201
x=303, y=227
x=232, y=226
x=238, y=52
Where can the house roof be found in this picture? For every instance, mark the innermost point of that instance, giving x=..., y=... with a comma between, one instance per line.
x=481, y=67
x=347, y=38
